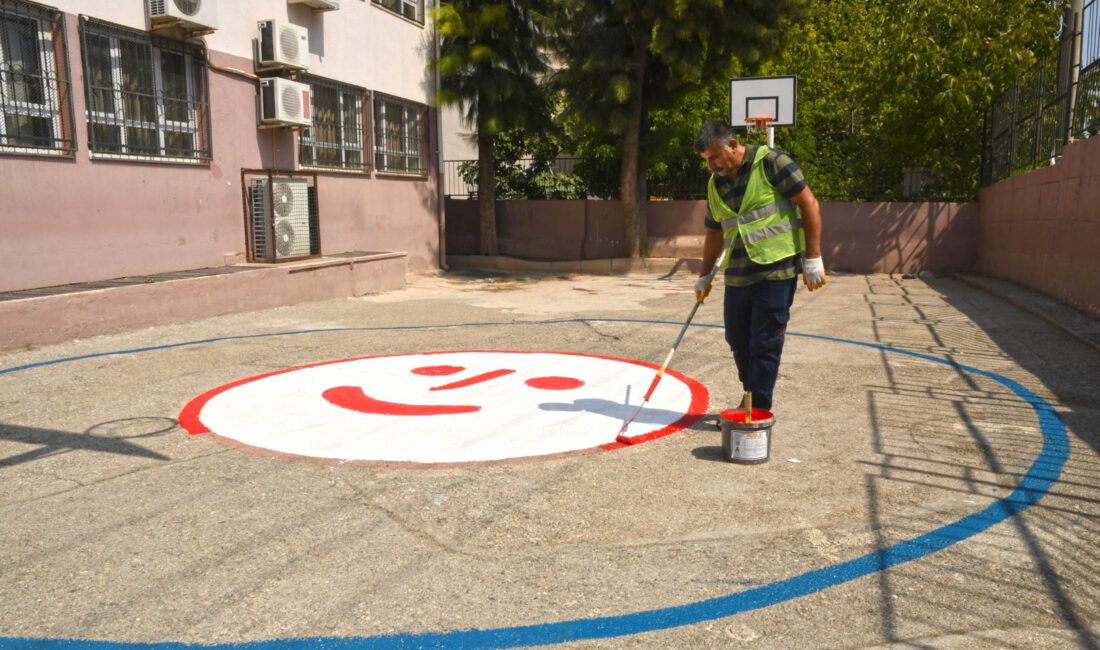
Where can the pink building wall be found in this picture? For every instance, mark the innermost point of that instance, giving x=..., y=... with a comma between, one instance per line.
x=81, y=219
x=857, y=237
x=1041, y=229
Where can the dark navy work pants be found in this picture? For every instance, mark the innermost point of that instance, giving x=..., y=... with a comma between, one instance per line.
x=756, y=323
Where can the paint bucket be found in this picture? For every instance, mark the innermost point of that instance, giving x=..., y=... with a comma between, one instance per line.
x=750, y=442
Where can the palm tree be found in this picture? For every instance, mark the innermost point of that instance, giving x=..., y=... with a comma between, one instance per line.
x=490, y=65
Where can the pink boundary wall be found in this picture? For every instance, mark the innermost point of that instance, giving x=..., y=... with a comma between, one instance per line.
x=53, y=319
x=858, y=237
x=79, y=219
x=1042, y=229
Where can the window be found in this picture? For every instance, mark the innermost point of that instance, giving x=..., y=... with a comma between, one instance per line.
x=35, y=105
x=411, y=9
x=336, y=137
x=146, y=96
x=399, y=136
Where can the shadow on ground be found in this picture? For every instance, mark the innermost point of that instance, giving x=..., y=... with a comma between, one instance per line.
x=975, y=417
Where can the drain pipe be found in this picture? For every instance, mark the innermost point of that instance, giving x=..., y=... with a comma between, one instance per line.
x=441, y=214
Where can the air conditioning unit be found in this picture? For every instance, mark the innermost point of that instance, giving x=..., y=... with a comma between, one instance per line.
x=283, y=45
x=284, y=102
x=318, y=5
x=281, y=219
x=190, y=14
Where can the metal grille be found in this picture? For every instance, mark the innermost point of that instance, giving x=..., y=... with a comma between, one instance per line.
x=411, y=9
x=282, y=217
x=146, y=96
x=188, y=7
x=1057, y=100
x=883, y=179
x=399, y=136
x=1086, y=118
x=336, y=137
x=1028, y=124
x=36, y=114
x=259, y=238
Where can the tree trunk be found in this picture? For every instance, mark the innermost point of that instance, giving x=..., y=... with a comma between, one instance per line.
x=632, y=177
x=486, y=193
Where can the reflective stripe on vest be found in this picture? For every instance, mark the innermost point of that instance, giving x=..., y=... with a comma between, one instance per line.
x=769, y=224
x=772, y=231
x=759, y=213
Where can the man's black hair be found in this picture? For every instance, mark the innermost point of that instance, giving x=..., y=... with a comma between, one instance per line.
x=713, y=131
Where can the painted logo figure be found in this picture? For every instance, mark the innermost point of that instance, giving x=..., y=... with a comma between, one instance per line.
x=445, y=407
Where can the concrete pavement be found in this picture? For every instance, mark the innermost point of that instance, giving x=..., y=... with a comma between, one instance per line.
x=933, y=482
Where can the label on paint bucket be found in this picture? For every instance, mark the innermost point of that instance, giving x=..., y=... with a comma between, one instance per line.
x=750, y=445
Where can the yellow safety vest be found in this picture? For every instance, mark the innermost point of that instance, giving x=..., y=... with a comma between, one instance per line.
x=768, y=223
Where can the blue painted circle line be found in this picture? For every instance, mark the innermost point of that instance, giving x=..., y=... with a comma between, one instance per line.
x=1037, y=482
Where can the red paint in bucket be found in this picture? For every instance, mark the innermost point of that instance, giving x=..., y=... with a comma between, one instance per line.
x=746, y=442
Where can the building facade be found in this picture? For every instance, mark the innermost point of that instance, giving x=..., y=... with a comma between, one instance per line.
x=148, y=136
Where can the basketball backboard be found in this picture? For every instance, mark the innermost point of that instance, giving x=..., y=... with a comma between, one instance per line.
x=762, y=97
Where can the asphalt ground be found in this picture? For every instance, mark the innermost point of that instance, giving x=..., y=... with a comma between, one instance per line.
x=933, y=482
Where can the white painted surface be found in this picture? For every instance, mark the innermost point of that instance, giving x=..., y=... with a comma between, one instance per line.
x=129, y=14
x=763, y=96
x=360, y=43
x=288, y=413
x=457, y=136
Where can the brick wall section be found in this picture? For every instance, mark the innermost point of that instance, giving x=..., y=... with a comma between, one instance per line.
x=900, y=237
x=1042, y=229
x=858, y=237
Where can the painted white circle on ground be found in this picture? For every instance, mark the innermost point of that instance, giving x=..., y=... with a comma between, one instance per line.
x=447, y=407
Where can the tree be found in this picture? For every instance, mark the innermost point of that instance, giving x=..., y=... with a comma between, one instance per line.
x=623, y=59
x=490, y=62
x=883, y=85
x=889, y=84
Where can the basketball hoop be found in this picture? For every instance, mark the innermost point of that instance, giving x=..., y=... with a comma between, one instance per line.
x=759, y=123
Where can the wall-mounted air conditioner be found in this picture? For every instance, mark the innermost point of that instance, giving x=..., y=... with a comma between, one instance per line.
x=281, y=220
x=284, y=102
x=318, y=5
x=283, y=45
x=189, y=14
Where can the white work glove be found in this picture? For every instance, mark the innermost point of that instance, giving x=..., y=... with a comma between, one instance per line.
x=702, y=288
x=813, y=273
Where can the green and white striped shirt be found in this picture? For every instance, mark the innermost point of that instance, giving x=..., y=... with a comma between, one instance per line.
x=785, y=175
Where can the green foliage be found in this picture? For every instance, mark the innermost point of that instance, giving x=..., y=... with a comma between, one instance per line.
x=890, y=85
x=491, y=61
x=674, y=48
x=884, y=86
x=526, y=165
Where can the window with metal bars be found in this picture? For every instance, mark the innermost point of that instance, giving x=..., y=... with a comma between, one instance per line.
x=411, y=9
x=335, y=139
x=36, y=114
x=146, y=95
x=399, y=136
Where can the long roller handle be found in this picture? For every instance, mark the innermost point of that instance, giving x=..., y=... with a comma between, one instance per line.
x=660, y=373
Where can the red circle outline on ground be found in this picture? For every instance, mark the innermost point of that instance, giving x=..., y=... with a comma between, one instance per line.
x=700, y=398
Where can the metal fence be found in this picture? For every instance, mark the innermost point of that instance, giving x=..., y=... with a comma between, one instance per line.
x=529, y=178
x=580, y=178
x=1086, y=108
x=1058, y=100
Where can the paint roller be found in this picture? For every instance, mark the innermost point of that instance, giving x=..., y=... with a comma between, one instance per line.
x=622, y=437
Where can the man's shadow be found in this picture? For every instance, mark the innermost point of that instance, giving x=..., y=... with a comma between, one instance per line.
x=622, y=413
x=615, y=411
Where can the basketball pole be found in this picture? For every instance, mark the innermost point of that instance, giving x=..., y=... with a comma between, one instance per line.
x=771, y=137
